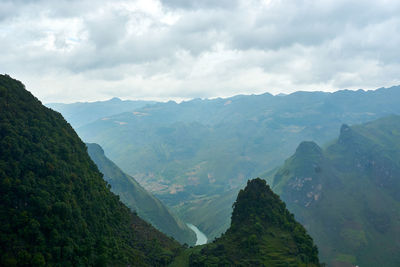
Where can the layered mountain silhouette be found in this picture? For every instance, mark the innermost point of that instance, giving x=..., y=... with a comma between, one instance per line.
x=196, y=152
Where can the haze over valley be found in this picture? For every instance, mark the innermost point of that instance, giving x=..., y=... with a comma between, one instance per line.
x=196, y=155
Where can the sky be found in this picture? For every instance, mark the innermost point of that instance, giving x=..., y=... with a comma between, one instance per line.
x=85, y=50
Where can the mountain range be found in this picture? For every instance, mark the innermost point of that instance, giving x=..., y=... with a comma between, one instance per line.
x=81, y=113
x=202, y=151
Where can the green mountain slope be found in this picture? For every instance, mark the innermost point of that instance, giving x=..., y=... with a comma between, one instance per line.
x=138, y=199
x=262, y=233
x=55, y=207
x=347, y=195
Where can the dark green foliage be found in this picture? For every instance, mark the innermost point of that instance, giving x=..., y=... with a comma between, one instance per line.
x=262, y=233
x=347, y=195
x=139, y=200
x=55, y=208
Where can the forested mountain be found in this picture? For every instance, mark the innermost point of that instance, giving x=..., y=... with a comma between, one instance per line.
x=262, y=233
x=81, y=113
x=55, y=207
x=197, y=151
x=348, y=194
x=138, y=199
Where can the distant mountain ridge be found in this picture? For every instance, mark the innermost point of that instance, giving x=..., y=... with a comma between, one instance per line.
x=347, y=194
x=81, y=113
x=138, y=199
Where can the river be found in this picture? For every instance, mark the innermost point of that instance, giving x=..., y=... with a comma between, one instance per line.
x=201, y=237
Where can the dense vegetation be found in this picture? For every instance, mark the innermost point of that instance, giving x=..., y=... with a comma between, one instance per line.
x=138, y=199
x=348, y=194
x=197, y=151
x=55, y=208
x=262, y=233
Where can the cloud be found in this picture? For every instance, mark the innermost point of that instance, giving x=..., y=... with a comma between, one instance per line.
x=71, y=50
x=203, y=4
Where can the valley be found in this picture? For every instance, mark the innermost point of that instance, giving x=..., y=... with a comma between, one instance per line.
x=191, y=155
x=195, y=156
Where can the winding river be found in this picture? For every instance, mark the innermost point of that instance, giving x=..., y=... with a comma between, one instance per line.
x=201, y=237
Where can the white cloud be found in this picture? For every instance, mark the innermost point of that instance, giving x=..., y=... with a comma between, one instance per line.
x=86, y=50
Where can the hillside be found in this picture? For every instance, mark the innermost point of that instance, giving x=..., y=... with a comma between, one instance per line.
x=201, y=149
x=262, y=233
x=55, y=207
x=347, y=195
x=138, y=199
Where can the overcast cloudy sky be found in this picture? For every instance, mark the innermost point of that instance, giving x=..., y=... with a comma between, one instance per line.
x=85, y=50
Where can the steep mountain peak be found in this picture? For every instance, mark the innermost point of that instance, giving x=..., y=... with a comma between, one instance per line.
x=308, y=148
x=262, y=233
x=257, y=199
